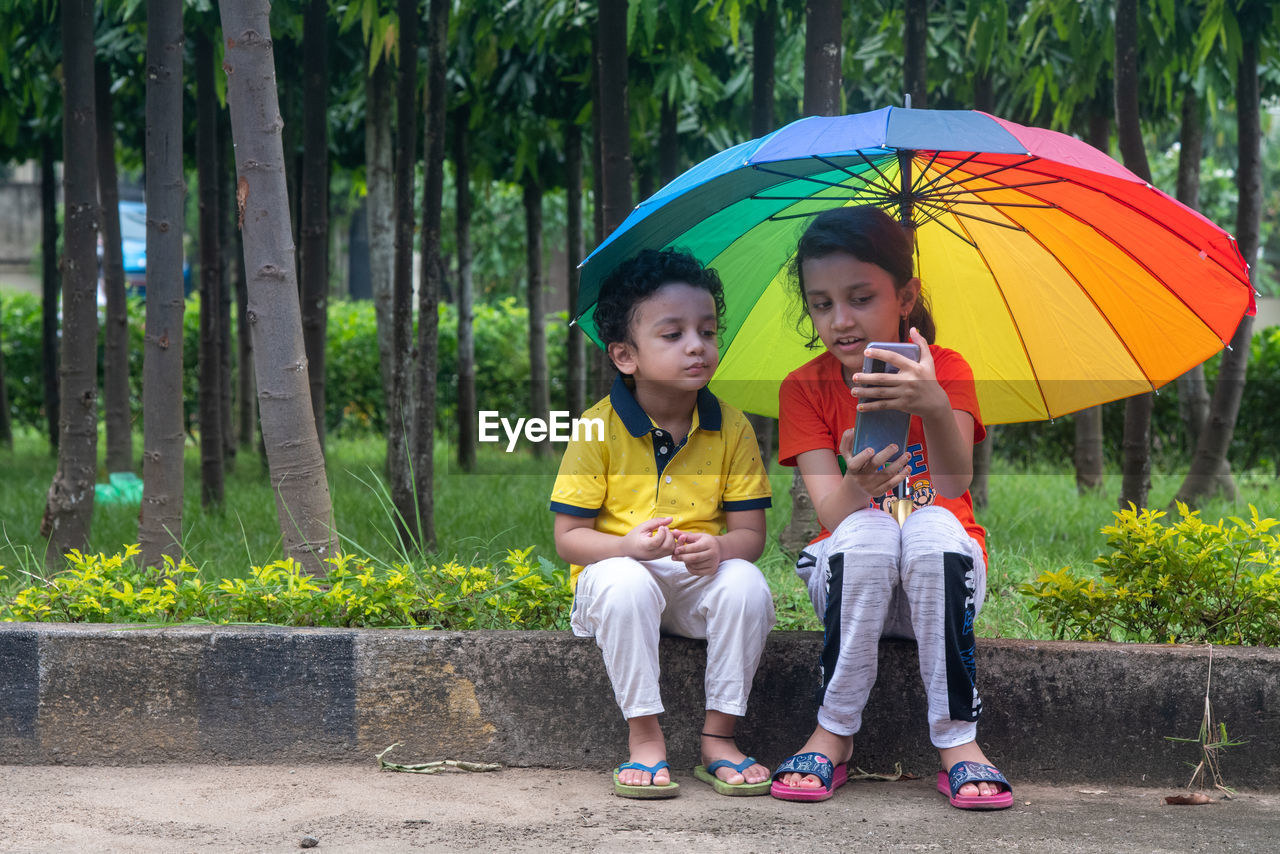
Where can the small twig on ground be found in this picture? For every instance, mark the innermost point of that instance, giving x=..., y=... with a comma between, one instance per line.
x=433, y=767
x=898, y=774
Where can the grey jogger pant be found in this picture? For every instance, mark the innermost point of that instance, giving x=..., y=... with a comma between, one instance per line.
x=924, y=580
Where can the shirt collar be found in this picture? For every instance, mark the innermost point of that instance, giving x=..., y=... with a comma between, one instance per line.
x=637, y=421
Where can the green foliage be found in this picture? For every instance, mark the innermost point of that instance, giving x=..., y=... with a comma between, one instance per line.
x=354, y=402
x=1190, y=582
x=516, y=593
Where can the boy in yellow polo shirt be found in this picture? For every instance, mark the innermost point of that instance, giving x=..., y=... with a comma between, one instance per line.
x=664, y=516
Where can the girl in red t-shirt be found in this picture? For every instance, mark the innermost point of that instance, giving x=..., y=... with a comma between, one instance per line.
x=870, y=577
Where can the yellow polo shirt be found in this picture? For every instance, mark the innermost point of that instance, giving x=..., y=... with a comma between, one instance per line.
x=639, y=472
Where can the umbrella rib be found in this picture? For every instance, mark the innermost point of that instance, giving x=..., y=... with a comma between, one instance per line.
x=1098, y=309
x=888, y=182
x=956, y=190
x=995, y=171
x=812, y=180
x=995, y=280
x=949, y=170
x=1129, y=254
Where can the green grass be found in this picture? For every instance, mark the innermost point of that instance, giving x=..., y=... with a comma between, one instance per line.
x=1035, y=520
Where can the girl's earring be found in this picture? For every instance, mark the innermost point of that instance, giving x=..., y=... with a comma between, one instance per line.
x=902, y=328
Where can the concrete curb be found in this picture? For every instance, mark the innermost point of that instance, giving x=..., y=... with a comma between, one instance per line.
x=1054, y=711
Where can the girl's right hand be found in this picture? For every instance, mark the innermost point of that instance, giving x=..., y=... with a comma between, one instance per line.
x=864, y=469
x=650, y=539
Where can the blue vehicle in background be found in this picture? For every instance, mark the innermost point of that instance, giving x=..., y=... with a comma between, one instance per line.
x=133, y=245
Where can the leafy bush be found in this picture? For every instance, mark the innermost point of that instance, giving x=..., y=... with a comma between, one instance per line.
x=518, y=593
x=1191, y=582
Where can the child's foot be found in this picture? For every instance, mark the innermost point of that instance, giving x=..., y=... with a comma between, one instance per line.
x=837, y=748
x=647, y=747
x=715, y=748
x=973, y=753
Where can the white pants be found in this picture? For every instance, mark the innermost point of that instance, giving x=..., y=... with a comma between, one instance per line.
x=924, y=580
x=624, y=603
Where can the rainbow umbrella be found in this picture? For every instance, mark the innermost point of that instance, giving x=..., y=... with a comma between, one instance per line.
x=1063, y=278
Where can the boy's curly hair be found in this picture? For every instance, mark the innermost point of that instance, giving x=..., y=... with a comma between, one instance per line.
x=640, y=277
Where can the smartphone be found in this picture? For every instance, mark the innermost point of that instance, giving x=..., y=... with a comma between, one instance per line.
x=884, y=427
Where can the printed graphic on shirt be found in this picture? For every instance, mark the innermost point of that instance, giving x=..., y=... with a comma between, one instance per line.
x=922, y=492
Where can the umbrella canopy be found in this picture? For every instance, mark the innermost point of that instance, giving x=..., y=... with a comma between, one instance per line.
x=1063, y=278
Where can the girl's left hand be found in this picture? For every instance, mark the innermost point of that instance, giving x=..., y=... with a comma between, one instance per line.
x=914, y=388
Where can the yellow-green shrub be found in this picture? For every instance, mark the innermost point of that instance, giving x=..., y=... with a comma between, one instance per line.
x=1189, y=582
x=516, y=593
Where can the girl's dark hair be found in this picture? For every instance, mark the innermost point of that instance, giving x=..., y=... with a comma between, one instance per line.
x=638, y=278
x=873, y=237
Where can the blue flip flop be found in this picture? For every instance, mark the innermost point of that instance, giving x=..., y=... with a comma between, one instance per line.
x=707, y=774
x=650, y=792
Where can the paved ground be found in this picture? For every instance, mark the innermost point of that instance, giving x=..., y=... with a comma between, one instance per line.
x=359, y=809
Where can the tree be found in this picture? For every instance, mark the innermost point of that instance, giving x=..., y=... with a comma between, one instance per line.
x=399, y=411
x=916, y=59
x=314, y=204
x=1209, y=470
x=6, y=428
x=1136, y=466
x=69, y=505
x=467, y=408
x=115, y=352
x=822, y=90
x=211, y=422
x=432, y=272
x=160, y=520
x=612, y=113
x=294, y=458
x=823, y=45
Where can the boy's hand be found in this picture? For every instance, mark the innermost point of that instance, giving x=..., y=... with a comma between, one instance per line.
x=650, y=539
x=699, y=552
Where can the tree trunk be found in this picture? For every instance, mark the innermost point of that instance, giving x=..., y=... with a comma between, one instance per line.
x=764, y=35
x=50, y=284
x=6, y=427
x=314, y=225
x=467, y=409
x=668, y=142
x=210, y=374
x=226, y=268
x=294, y=457
x=380, y=210
x=764, y=40
x=163, y=434
x=575, y=340
x=69, y=505
x=399, y=410
x=823, y=23
x=539, y=382
x=1136, y=466
x=915, y=38
x=424, y=424
x=246, y=380
x=1210, y=472
x=599, y=367
x=1193, y=393
x=1088, y=458
x=115, y=351
x=613, y=112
